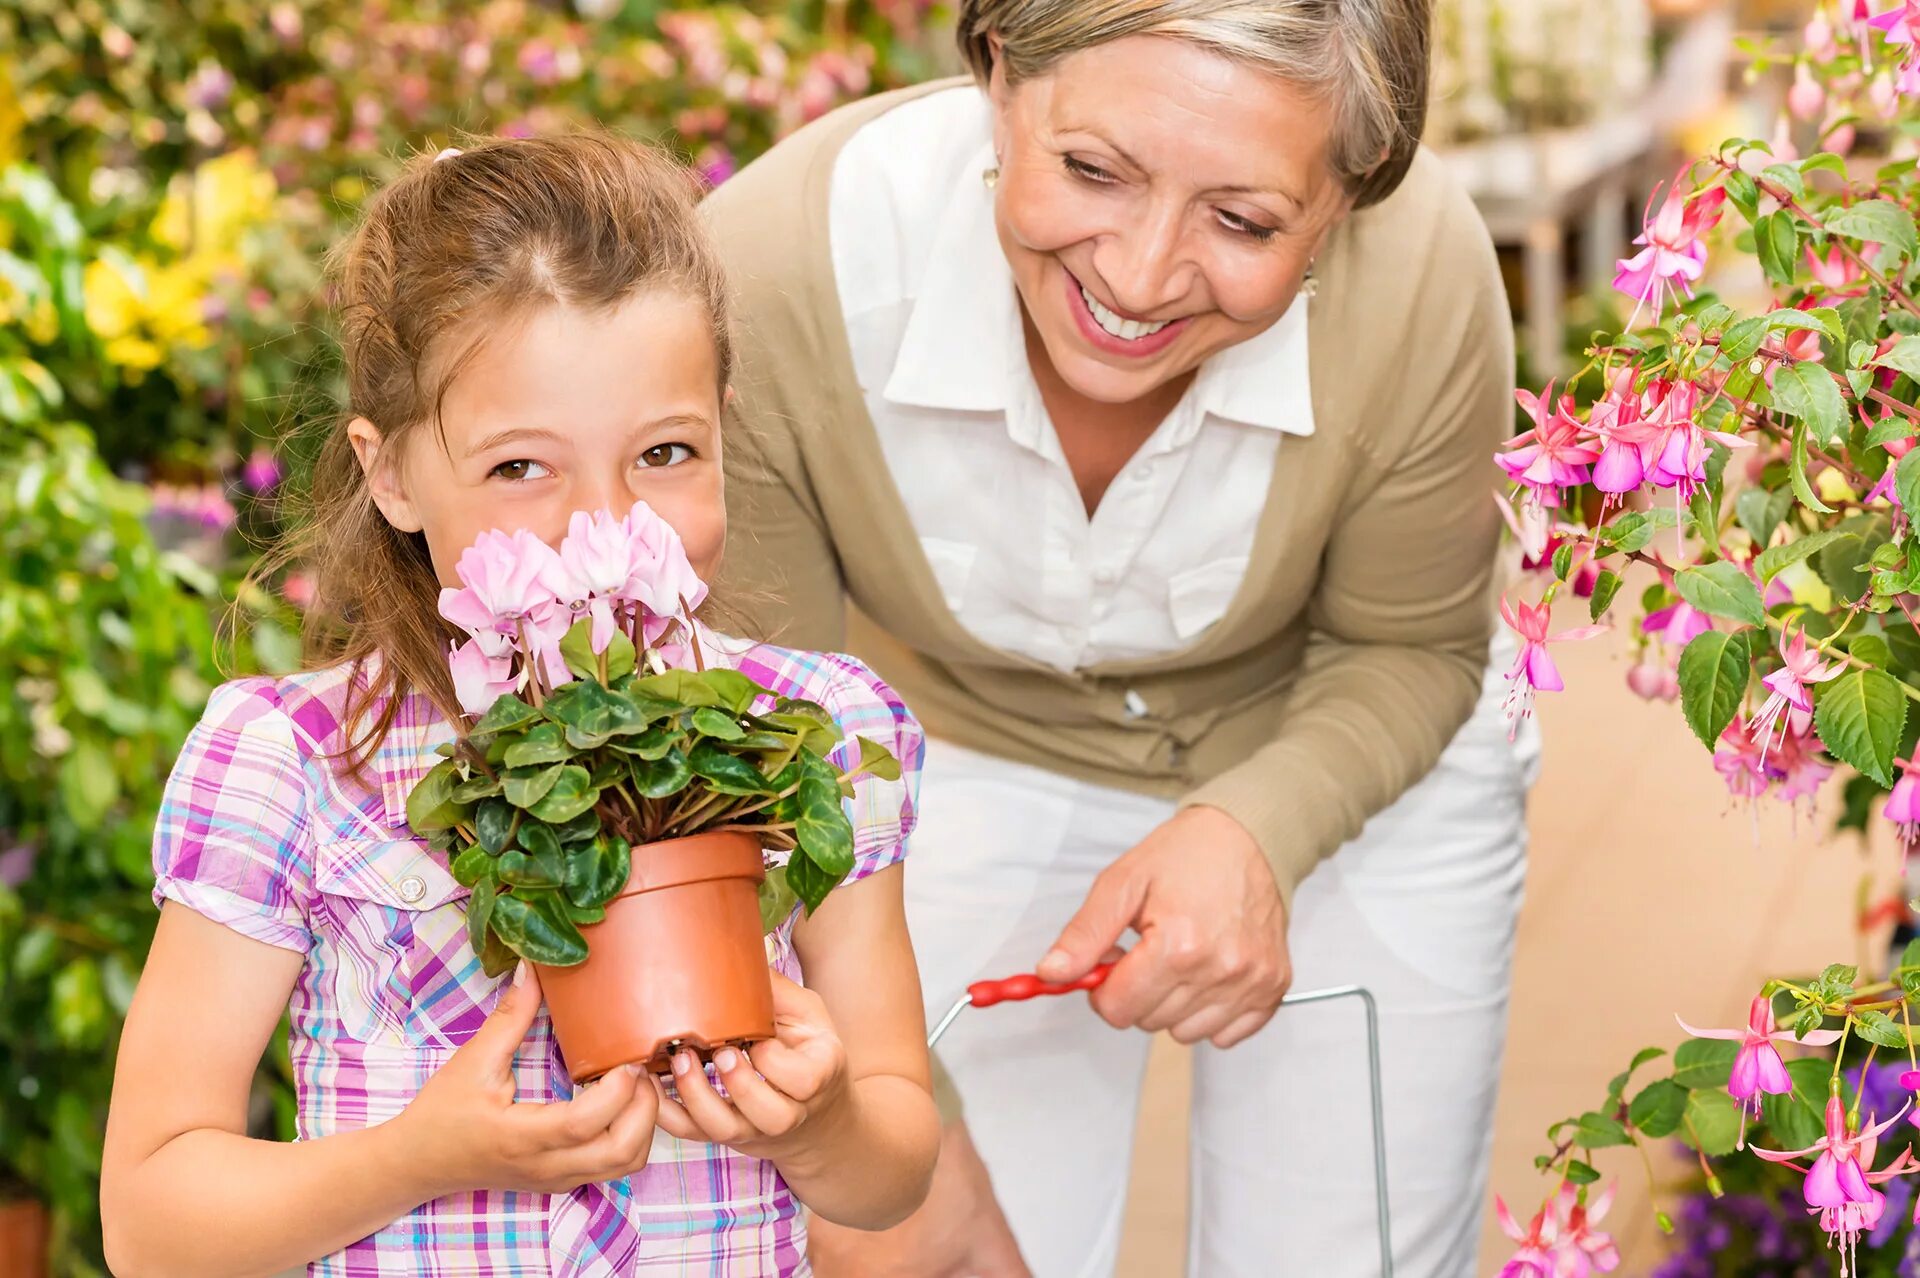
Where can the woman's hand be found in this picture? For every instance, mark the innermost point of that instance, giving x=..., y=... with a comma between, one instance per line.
x=1211, y=962
x=960, y=1232
x=780, y=1098
x=470, y=1134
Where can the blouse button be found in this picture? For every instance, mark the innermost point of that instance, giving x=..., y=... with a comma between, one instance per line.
x=412, y=888
x=1134, y=704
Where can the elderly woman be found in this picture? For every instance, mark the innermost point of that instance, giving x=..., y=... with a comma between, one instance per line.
x=1131, y=409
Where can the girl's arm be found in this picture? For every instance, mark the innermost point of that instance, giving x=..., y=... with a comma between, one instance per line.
x=185, y=1191
x=839, y=1101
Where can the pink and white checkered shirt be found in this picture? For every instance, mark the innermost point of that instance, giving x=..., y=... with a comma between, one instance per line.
x=259, y=832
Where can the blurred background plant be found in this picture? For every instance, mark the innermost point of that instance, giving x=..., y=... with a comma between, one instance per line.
x=171, y=174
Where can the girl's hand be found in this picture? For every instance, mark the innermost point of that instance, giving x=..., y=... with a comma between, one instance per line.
x=470, y=1134
x=780, y=1098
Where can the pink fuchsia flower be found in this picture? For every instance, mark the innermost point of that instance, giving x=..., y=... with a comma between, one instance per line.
x=1758, y=1068
x=1582, y=1249
x=1789, y=699
x=1840, y=1184
x=1817, y=36
x=1673, y=256
x=262, y=471
x=1534, y=1257
x=1797, y=765
x=1741, y=762
x=1679, y=623
x=1681, y=460
x=480, y=678
x=1901, y=26
x=1553, y=455
x=1653, y=681
x=1629, y=443
x=1533, y=670
x=1903, y=804
x=1806, y=98
x=1835, y=272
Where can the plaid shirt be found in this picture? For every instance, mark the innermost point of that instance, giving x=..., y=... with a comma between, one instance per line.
x=260, y=833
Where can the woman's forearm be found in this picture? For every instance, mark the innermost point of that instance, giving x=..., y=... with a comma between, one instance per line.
x=211, y=1203
x=871, y=1167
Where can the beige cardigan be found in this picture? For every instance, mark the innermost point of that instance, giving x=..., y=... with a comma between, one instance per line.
x=1355, y=647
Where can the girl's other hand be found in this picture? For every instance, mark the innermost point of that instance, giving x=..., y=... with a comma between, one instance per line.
x=472, y=1135
x=780, y=1097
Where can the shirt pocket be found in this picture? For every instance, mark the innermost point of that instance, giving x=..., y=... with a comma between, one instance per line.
x=403, y=968
x=952, y=564
x=1198, y=597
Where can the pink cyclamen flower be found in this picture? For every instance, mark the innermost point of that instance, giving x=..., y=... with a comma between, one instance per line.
x=1553, y=455
x=1741, y=762
x=1534, y=1257
x=1581, y=1249
x=1758, y=1067
x=1903, y=805
x=509, y=596
x=1533, y=669
x=480, y=679
x=1790, y=704
x=663, y=579
x=597, y=557
x=1673, y=256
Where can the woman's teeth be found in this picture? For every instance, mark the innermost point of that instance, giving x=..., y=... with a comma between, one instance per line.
x=1125, y=329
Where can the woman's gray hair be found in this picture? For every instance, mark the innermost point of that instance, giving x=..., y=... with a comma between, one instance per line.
x=1368, y=58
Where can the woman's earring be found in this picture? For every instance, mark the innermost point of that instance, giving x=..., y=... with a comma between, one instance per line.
x=991, y=177
x=1308, y=284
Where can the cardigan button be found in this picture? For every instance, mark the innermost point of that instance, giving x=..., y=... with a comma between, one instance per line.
x=1134, y=705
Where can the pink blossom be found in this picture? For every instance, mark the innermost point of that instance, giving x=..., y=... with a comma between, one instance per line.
x=1840, y=1184
x=1582, y=1249
x=1797, y=765
x=1534, y=1257
x=1757, y=1068
x=1629, y=442
x=508, y=594
x=596, y=559
x=1834, y=272
x=1681, y=461
x=1806, y=98
x=479, y=678
x=1533, y=669
x=1901, y=26
x=1679, y=623
x=1818, y=37
x=1903, y=804
x=662, y=580
x=1552, y=455
x=1741, y=762
x=1653, y=681
x=297, y=589
x=1790, y=698
x=1673, y=256
x=262, y=471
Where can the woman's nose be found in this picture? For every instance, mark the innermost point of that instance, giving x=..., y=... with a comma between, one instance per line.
x=1146, y=265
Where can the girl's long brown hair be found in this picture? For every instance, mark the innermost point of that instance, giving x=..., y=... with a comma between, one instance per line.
x=445, y=251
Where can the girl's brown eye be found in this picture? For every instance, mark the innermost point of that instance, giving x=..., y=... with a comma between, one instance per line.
x=665, y=455
x=520, y=468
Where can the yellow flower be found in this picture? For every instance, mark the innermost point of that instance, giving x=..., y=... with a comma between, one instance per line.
x=140, y=310
x=112, y=297
x=207, y=213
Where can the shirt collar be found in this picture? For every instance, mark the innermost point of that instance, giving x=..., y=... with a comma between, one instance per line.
x=964, y=342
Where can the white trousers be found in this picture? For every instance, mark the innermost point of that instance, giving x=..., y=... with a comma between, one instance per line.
x=1420, y=909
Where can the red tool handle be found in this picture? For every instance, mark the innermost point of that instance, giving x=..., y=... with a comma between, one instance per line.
x=1018, y=989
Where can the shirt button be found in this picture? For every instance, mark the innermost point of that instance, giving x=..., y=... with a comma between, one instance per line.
x=1134, y=704
x=412, y=888
x=1141, y=472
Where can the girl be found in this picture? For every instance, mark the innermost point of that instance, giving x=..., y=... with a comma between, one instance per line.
x=531, y=328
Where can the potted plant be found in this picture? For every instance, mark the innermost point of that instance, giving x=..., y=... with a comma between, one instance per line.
x=630, y=819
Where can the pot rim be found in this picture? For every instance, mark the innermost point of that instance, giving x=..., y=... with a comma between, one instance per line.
x=694, y=858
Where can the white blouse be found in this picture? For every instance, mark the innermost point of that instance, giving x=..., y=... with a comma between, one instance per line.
x=934, y=323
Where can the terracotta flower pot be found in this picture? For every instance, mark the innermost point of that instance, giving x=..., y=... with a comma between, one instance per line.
x=678, y=961
x=23, y=1238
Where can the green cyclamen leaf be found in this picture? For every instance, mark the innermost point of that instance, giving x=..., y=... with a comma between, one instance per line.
x=430, y=804
x=536, y=926
x=572, y=794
